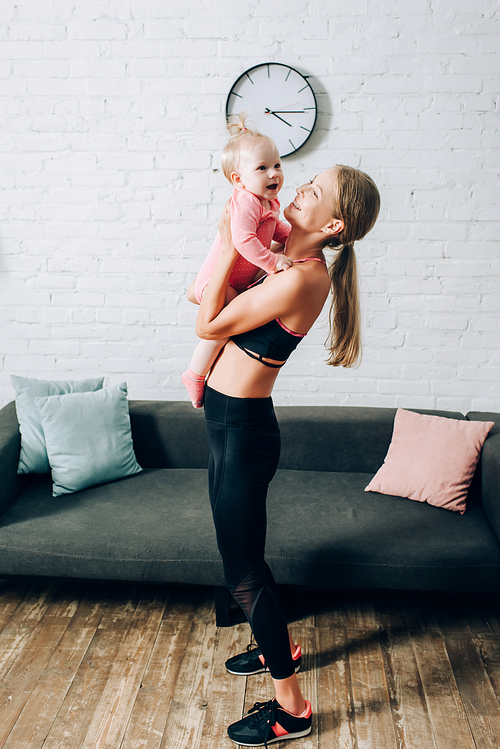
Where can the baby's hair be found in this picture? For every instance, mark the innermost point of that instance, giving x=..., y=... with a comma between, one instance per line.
x=242, y=140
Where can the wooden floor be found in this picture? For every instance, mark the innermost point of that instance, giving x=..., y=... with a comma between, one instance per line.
x=122, y=667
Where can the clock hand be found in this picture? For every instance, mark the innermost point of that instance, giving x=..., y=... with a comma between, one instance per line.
x=287, y=111
x=268, y=111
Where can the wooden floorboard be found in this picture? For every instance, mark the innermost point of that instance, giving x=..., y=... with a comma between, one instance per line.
x=119, y=666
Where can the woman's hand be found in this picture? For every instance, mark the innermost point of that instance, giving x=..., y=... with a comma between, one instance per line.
x=224, y=227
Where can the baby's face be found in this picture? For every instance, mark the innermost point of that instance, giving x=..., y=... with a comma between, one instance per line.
x=260, y=171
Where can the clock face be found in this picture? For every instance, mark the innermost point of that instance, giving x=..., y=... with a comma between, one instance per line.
x=279, y=101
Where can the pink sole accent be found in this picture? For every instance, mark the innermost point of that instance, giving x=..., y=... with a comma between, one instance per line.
x=280, y=731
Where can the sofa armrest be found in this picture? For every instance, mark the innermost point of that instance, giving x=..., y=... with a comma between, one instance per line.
x=489, y=470
x=11, y=483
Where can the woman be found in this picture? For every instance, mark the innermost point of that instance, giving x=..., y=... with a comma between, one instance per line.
x=264, y=324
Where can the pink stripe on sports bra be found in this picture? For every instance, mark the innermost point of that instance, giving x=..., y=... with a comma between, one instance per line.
x=292, y=332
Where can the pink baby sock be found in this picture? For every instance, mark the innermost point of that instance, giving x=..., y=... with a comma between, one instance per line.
x=195, y=385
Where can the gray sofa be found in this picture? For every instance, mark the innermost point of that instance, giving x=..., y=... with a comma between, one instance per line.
x=324, y=530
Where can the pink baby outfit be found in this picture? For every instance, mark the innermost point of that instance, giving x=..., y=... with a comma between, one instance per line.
x=253, y=228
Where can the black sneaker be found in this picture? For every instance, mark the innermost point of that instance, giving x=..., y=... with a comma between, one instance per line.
x=267, y=723
x=252, y=662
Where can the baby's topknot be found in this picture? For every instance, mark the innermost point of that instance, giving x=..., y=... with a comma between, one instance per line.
x=237, y=126
x=242, y=139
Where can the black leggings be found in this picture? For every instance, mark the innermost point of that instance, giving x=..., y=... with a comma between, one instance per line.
x=244, y=441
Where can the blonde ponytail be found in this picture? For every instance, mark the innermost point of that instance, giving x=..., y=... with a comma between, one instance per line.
x=357, y=204
x=344, y=339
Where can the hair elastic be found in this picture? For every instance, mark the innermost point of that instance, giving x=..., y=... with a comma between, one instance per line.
x=243, y=129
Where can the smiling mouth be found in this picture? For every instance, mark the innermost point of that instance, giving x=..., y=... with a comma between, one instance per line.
x=295, y=205
x=272, y=187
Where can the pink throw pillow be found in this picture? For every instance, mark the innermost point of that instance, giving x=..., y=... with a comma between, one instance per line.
x=431, y=459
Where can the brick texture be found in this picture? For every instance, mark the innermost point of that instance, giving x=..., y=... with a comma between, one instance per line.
x=112, y=123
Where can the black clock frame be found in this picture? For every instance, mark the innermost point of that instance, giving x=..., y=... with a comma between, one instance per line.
x=283, y=65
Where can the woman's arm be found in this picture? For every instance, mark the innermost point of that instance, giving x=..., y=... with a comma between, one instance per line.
x=224, y=228
x=214, y=296
x=280, y=294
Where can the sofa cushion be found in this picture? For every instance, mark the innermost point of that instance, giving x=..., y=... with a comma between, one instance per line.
x=171, y=434
x=88, y=438
x=431, y=459
x=323, y=530
x=155, y=526
x=33, y=456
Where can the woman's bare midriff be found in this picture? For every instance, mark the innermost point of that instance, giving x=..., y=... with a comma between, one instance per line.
x=237, y=375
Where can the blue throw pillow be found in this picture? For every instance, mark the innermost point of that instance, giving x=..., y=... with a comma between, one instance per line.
x=88, y=438
x=33, y=456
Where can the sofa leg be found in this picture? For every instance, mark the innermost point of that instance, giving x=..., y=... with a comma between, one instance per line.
x=222, y=606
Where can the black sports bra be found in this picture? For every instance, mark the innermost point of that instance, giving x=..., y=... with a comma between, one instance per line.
x=272, y=340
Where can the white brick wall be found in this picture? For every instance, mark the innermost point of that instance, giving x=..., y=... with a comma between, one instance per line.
x=111, y=128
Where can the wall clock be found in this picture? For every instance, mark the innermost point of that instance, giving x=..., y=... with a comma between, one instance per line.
x=279, y=101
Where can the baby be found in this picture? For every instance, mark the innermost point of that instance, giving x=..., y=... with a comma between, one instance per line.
x=251, y=162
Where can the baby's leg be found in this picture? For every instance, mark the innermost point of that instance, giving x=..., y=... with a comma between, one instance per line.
x=206, y=352
x=204, y=356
